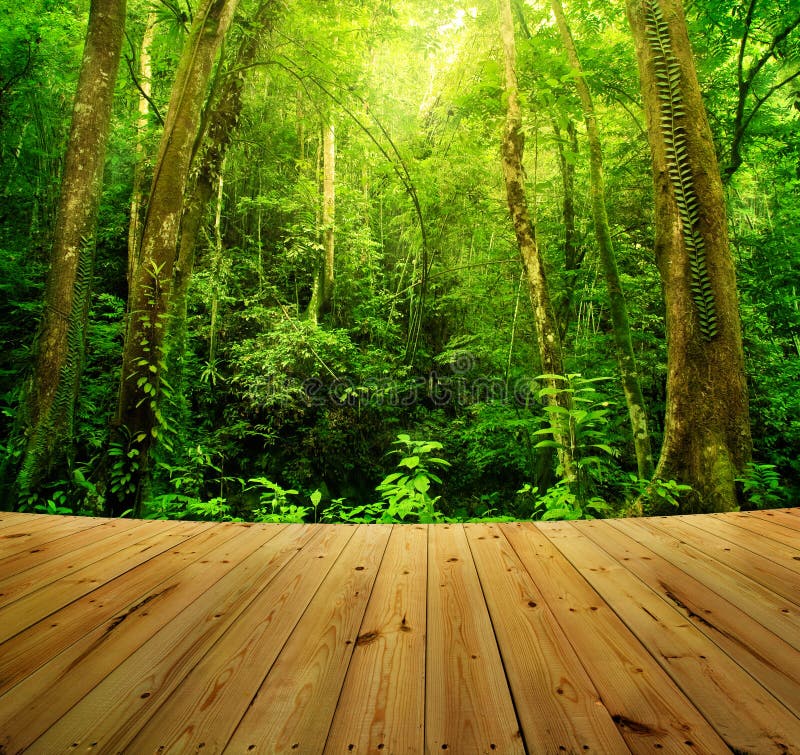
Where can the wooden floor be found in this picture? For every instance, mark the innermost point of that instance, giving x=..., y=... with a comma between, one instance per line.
x=638, y=635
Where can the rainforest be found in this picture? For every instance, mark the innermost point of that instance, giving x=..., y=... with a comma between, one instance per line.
x=399, y=260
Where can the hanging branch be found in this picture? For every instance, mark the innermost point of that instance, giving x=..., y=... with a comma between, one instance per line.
x=130, y=61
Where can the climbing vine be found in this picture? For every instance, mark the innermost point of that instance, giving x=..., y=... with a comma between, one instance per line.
x=667, y=75
x=60, y=415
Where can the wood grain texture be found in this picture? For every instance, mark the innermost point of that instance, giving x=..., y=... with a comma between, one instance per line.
x=29, y=603
x=382, y=704
x=764, y=655
x=559, y=708
x=293, y=709
x=745, y=715
x=469, y=707
x=651, y=712
x=32, y=707
x=765, y=604
x=25, y=541
x=27, y=651
x=114, y=710
x=676, y=635
x=113, y=536
x=204, y=710
x=773, y=564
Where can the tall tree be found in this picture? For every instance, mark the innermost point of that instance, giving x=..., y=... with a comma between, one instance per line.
x=49, y=404
x=144, y=82
x=322, y=293
x=707, y=428
x=220, y=120
x=619, y=309
x=512, y=151
x=139, y=413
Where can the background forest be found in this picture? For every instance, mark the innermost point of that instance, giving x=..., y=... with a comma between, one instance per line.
x=342, y=326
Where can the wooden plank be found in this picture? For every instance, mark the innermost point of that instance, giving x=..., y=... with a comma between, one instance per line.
x=117, y=708
x=764, y=604
x=646, y=705
x=45, y=545
x=556, y=702
x=293, y=709
x=786, y=517
x=766, y=561
x=200, y=595
x=761, y=653
x=745, y=715
x=202, y=713
x=468, y=704
x=31, y=530
x=13, y=517
x=112, y=536
x=763, y=527
x=28, y=650
x=382, y=704
x=36, y=604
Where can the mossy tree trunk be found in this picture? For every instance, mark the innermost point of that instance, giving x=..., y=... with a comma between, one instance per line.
x=322, y=293
x=707, y=428
x=221, y=120
x=512, y=151
x=619, y=309
x=139, y=411
x=137, y=191
x=49, y=403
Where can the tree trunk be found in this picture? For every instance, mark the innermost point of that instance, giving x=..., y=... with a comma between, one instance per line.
x=139, y=415
x=512, y=148
x=619, y=308
x=322, y=292
x=137, y=192
x=707, y=428
x=221, y=122
x=52, y=394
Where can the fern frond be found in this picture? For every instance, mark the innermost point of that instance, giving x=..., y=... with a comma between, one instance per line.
x=668, y=89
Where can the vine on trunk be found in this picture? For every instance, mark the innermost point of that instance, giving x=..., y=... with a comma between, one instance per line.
x=667, y=75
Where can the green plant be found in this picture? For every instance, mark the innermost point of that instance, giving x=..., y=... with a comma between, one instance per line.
x=124, y=468
x=668, y=77
x=405, y=495
x=761, y=486
x=585, y=428
x=560, y=502
x=656, y=496
x=275, y=506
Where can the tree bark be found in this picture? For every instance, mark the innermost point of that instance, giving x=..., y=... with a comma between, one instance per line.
x=626, y=359
x=137, y=192
x=322, y=291
x=512, y=150
x=139, y=413
x=707, y=428
x=51, y=397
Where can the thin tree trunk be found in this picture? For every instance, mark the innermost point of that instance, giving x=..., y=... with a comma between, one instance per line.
x=52, y=395
x=217, y=274
x=322, y=287
x=137, y=193
x=512, y=148
x=328, y=212
x=139, y=412
x=573, y=254
x=619, y=308
x=707, y=428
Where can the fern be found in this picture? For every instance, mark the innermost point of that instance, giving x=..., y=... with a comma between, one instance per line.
x=58, y=420
x=668, y=75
